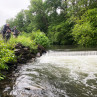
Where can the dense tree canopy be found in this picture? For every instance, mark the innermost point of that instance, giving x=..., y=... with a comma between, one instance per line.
x=64, y=21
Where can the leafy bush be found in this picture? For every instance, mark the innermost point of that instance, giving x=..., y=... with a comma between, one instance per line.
x=61, y=33
x=25, y=34
x=40, y=38
x=85, y=31
x=83, y=34
x=6, y=56
x=26, y=41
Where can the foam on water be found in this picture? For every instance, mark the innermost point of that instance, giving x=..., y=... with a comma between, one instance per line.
x=59, y=74
x=75, y=62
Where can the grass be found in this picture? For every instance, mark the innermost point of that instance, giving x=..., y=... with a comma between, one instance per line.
x=26, y=39
x=6, y=50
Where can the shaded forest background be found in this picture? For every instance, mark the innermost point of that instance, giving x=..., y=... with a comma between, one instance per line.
x=65, y=22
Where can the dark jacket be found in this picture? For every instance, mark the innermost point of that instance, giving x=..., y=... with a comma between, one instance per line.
x=15, y=31
x=5, y=29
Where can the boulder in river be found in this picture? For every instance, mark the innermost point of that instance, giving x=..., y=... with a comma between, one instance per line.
x=41, y=50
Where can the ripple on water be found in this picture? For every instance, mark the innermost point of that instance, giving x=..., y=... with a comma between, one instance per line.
x=59, y=75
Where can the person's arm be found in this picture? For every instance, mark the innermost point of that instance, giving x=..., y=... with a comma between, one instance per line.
x=9, y=30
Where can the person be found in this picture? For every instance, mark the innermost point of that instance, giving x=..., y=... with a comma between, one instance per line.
x=15, y=32
x=6, y=33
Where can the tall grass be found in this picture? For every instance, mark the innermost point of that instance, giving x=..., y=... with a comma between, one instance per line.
x=6, y=50
x=26, y=41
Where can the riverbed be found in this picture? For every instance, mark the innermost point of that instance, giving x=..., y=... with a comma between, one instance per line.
x=61, y=72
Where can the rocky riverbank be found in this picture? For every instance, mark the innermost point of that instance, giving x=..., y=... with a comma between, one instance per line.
x=24, y=54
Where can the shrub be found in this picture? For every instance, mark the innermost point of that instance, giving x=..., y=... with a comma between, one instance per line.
x=6, y=56
x=61, y=33
x=40, y=38
x=26, y=41
x=85, y=31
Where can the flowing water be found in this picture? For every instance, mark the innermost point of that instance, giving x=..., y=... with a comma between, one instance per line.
x=58, y=73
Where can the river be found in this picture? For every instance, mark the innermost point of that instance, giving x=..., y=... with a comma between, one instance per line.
x=58, y=73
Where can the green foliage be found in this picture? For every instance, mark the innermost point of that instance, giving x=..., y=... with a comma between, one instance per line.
x=53, y=17
x=23, y=39
x=39, y=16
x=25, y=34
x=63, y=21
x=6, y=56
x=85, y=32
x=61, y=33
x=90, y=16
x=40, y=38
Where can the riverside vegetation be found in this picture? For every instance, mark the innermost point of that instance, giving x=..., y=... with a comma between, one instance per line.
x=64, y=22
x=7, y=52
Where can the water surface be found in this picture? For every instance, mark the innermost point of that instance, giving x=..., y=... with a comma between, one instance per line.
x=58, y=73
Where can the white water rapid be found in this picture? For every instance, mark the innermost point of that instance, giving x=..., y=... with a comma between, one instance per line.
x=59, y=74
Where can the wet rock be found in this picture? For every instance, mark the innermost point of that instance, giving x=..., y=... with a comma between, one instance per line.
x=28, y=56
x=27, y=88
x=17, y=52
x=26, y=48
x=41, y=49
x=38, y=54
x=32, y=60
x=7, y=89
x=32, y=55
x=18, y=46
x=30, y=91
x=22, y=60
x=32, y=88
x=24, y=53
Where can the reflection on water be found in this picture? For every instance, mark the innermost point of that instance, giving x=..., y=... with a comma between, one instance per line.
x=58, y=74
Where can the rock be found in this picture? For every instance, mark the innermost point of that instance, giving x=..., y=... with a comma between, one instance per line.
x=38, y=54
x=41, y=49
x=26, y=56
x=32, y=55
x=17, y=52
x=27, y=88
x=18, y=46
x=7, y=89
x=23, y=46
x=24, y=53
x=22, y=60
x=33, y=59
x=26, y=48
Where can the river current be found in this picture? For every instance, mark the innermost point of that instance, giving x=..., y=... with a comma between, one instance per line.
x=57, y=73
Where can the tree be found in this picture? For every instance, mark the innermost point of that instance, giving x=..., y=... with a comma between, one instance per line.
x=39, y=17
x=20, y=20
x=85, y=31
